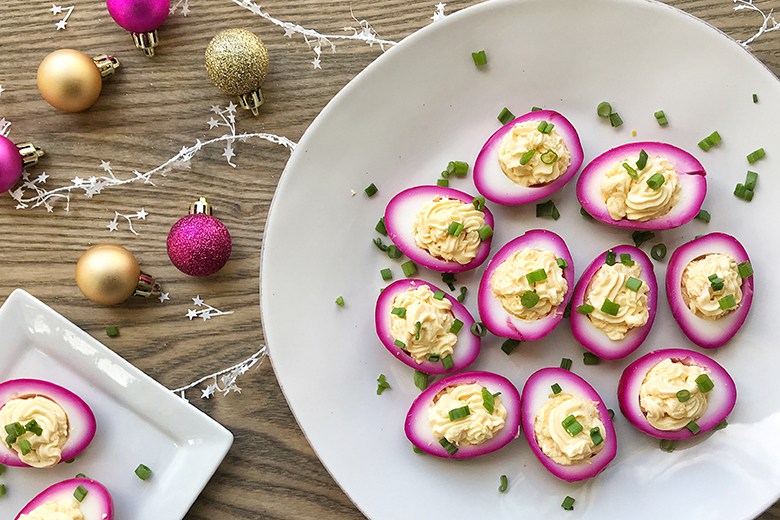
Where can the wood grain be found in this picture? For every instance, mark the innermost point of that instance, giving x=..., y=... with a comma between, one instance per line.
x=147, y=112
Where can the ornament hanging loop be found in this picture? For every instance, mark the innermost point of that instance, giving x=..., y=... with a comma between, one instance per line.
x=30, y=154
x=146, y=41
x=252, y=101
x=201, y=206
x=107, y=65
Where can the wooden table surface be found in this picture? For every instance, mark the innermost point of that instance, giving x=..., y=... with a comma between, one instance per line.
x=146, y=114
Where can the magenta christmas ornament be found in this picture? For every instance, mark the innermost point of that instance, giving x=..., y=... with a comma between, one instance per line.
x=14, y=158
x=199, y=244
x=141, y=18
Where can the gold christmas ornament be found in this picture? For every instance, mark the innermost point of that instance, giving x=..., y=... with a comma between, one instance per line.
x=109, y=274
x=237, y=63
x=71, y=81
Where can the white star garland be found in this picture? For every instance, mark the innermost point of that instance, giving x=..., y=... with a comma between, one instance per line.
x=113, y=225
x=439, y=13
x=769, y=23
x=206, y=312
x=183, y=5
x=57, y=10
x=224, y=381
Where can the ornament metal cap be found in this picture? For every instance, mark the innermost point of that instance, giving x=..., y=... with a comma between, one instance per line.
x=106, y=64
x=201, y=206
x=30, y=154
x=146, y=41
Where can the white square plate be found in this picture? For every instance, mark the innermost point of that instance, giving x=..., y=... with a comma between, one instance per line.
x=138, y=420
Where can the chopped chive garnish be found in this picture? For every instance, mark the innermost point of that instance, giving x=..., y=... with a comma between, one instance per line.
x=745, y=269
x=615, y=120
x=536, y=109
x=433, y=358
x=394, y=252
x=112, y=332
x=631, y=172
x=556, y=388
x=585, y=308
x=449, y=279
x=485, y=232
x=398, y=343
x=610, y=307
x=683, y=395
x=755, y=98
x=722, y=424
x=371, y=190
x=381, y=386
x=563, y=264
x=380, y=227
x=80, y=493
x=478, y=202
x=693, y=427
x=610, y=258
x=655, y=181
x=455, y=229
x=529, y=299
x=417, y=330
x=380, y=245
x=536, y=276
x=409, y=268
x=509, y=345
x=457, y=168
x=549, y=157
x=444, y=183
x=545, y=127
x=571, y=425
x=716, y=282
x=547, y=209
x=739, y=191
x=340, y=301
x=756, y=155
x=633, y=284
x=642, y=161
x=604, y=109
x=667, y=445
x=640, y=237
x=504, y=484
x=33, y=427
x=462, y=295
x=15, y=429
x=399, y=311
x=478, y=329
x=488, y=401
x=387, y=274
x=625, y=259
x=711, y=140
x=2, y=490
x=595, y=436
x=568, y=503
x=420, y=380
x=505, y=116
x=479, y=57
x=589, y=358
x=438, y=295
x=704, y=383
x=526, y=157
x=704, y=216
x=80, y=475
x=585, y=214
x=24, y=446
x=661, y=118
x=447, y=362
x=750, y=180
x=456, y=326
x=447, y=445
x=658, y=252
x=566, y=363
x=727, y=302
x=417, y=450
x=143, y=472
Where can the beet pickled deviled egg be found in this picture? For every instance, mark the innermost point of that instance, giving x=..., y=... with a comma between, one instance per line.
x=440, y=228
x=76, y=498
x=645, y=185
x=526, y=286
x=43, y=423
x=709, y=283
x=676, y=393
x=614, y=303
x=528, y=159
x=465, y=415
x=567, y=424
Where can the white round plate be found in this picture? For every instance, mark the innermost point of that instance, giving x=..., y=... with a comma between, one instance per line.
x=424, y=103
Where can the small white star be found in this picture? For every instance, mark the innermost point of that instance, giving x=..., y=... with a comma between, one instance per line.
x=197, y=301
x=61, y=25
x=55, y=9
x=113, y=225
x=142, y=214
x=42, y=178
x=205, y=316
x=77, y=181
x=164, y=297
x=192, y=313
x=228, y=153
x=316, y=62
x=289, y=30
x=213, y=123
x=106, y=165
x=185, y=10
x=1, y=91
x=231, y=107
x=207, y=392
x=216, y=109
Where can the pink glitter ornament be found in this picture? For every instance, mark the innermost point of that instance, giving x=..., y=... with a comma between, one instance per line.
x=14, y=159
x=199, y=244
x=141, y=18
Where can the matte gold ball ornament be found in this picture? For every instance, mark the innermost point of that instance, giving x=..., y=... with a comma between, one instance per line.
x=237, y=63
x=109, y=274
x=71, y=81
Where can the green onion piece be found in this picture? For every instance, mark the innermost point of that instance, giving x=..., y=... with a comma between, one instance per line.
x=755, y=98
x=589, y=358
x=595, y=436
x=399, y=311
x=611, y=413
x=10, y=439
x=381, y=386
x=585, y=308
x=655, y=181
x=661, y=118
x=387, y=274
x=536, y=276
x=447, y=445
x=642, y=161
x=80, y=475
x=739, y=191
x=15, y=429
x=658, y=252
x=112, y=331
x=615, y=120
x=488, y=401
x=462, y=295
x=449, y=279
x=705, y=144
x=704, y=216
x=479, y=202
x=420, y=380
x=727, y=302
x=683, y=395
x=456, y=326
x=509, y=345
x=714, y=138
x=640, y=237
x=585, y=213
x=505, y=116
x=380, y=245
x=457, y=168
x=631, y=172
x=667, y=445
x=80, y=493
x=610, y=307
x=417, y=329
x=24, y=446
x=711, y=140
x=398, y=343
x=394, y=252
x=571, y=425
x=704, y=383
x=444, y=183
x=633, y=284
x=610, y=258
x=716, y=282
x=504, y=485
x=445, y=175
x=748, y=195
x=340, y=301
x=566, y=363
x=563, y=264
x=536, y=109
x=371, y=190
x=529, y=299
x=750, y=180
x=438, y=295
x=143, y=472
x=479, y=57
x=604, y=109
x=478, y=329
x=455, y=229
x=568, y=503
x=545, y=127
x=756, y=155
x=447, y=362
x=380, y=227
x=433, y=358
x=417, y=450
x=549, y=157
x=2, y=490
x=556, y=388
x=526, y=157
x=625, y=259
x=693, y=427
x=485, y=232
x=722, y=424
x=33, y=427
x=745, y=269
x=409, y=268
x=547, y=209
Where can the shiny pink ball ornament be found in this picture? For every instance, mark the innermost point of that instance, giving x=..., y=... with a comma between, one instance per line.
x=14, y=159
x=199, y=244
x=141, y=18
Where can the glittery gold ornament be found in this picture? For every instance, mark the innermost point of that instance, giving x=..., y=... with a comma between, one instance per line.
x=237, y=62
x=71, y=81
x=109, y=274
